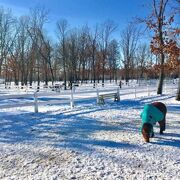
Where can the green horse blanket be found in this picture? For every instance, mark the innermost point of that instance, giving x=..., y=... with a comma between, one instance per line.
x=151, y=114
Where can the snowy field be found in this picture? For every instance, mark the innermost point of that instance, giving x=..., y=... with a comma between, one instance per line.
x=90, y=141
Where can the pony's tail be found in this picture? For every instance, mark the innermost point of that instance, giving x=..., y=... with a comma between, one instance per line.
x=147, y=130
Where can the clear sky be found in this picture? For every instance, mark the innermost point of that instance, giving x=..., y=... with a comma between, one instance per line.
x=80, y=12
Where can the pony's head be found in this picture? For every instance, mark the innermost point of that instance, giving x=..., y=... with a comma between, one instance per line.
x=147, y=131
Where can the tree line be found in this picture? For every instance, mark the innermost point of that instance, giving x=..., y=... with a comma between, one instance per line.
x=84, y=54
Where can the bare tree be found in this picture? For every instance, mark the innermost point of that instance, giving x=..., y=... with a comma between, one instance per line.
x=107, y=29
x=93, y=37
x=72, y=57
x=113, y=58
x=83, y=52
x=45, y=50
x=62, y=27
x=22, y=48
x=39, y=17
x=6, y=36
x=128, y=46
x=142, y=57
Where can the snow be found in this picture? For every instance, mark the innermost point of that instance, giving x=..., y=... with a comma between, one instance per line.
x=88, y=141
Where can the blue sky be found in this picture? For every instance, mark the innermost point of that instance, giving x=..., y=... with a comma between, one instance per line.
x=80, y=12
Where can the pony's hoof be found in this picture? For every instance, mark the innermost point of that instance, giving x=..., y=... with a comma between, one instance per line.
x=146, y=140
x=152, y=135
x=161, y=132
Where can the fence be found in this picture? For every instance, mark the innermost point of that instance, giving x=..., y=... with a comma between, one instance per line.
x=83, y=93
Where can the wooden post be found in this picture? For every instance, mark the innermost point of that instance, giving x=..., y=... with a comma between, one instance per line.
x=118, y=93
x=120, y=84
x=35, y=103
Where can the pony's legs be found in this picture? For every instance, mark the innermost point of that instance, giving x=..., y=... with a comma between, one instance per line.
x=146, y=131
x=162, y=125
x=152, y=135
x=163, y=109
x=146, y=138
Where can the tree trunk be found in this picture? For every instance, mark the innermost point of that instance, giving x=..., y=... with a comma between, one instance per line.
x=161, y=76
x=46, y=78
x=126, y=75
x=64, y=70
x=51, y=69
x=31, y=76
x=178, y=92
x=103, y=73
x=103, y=68
x=38, y=78
x=94, y=72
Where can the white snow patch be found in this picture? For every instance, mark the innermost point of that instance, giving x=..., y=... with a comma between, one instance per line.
x=88, y=142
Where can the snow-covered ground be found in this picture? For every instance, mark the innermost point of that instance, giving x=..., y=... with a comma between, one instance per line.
x=89, y=141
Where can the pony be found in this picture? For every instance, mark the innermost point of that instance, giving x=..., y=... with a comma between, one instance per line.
x=150, y=117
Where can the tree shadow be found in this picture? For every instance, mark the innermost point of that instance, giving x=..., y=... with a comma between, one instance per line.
x=175, y=108
x=156, y=98
x=73, y=131
x=167, y=142
x=171, y=135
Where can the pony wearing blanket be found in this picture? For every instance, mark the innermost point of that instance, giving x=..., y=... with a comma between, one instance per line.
x=153, y=113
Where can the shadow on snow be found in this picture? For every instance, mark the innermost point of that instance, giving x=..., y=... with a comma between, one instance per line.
x=72, y=129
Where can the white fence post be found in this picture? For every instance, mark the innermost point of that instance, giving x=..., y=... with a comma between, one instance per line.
x=97, y=91
x=18, y=89
x=74, y=88
x=35, y=103
x=135, y=91
x=72, y=98
x=148, y=89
